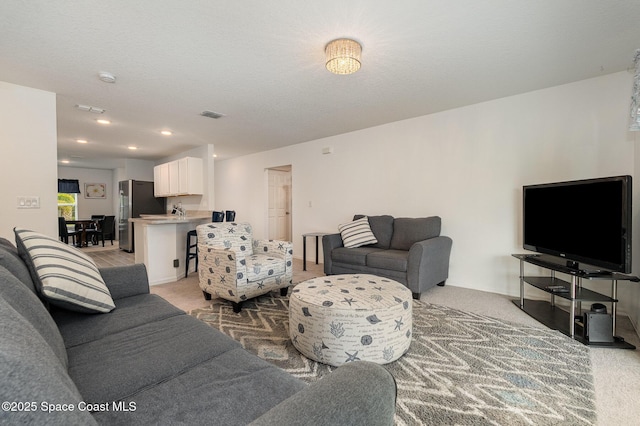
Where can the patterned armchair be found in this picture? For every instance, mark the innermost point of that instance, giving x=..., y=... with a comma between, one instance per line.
x=235, y=267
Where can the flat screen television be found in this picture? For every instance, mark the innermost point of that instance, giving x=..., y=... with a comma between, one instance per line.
x=583, y=221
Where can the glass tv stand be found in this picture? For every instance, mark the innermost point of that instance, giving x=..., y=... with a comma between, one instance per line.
x=568, y=322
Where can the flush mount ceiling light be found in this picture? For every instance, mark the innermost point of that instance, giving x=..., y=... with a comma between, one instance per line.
x=343, y=56
x=107, y=77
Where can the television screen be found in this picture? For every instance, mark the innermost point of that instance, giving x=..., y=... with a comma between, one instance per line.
x=585, y=221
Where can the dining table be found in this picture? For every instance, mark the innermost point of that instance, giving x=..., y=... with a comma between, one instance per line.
x=84, y=225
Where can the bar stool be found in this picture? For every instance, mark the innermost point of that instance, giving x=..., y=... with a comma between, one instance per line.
x=215, y=217
x=191, y=254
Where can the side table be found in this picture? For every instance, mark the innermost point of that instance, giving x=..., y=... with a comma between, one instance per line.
x=304, y=246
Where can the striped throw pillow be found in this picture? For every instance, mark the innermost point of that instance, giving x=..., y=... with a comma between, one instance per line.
x=63, y=275
x=357, y=233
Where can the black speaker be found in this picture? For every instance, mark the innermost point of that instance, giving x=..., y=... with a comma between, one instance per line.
x=598, y=325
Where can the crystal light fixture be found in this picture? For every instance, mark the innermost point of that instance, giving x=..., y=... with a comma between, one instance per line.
x=343, y=56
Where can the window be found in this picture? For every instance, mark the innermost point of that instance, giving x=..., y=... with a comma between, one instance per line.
x=68, y=206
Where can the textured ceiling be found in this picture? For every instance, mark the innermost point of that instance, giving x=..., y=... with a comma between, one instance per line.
x=261, y=63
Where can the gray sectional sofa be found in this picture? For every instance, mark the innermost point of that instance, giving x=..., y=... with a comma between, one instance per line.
x=147, y=362
x=409, y=250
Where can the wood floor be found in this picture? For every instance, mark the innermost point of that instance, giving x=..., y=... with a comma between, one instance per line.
x=109, y=256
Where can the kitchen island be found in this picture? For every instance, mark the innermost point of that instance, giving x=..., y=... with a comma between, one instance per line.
x=161, y=244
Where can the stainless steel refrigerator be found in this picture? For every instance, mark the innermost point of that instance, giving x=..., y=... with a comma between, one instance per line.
x=136, y=198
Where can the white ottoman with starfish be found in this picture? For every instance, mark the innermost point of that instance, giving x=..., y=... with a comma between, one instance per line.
x=342, y=318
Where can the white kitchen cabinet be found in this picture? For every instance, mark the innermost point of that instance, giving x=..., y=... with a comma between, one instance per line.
x=179, y=177
x=161, y=180
x=190, y=179
x=174, y=178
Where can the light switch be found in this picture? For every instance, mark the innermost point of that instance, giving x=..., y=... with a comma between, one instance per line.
x=28, y=202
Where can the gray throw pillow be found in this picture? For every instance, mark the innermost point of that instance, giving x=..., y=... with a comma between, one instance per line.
x=408, y=231
x=382, y=228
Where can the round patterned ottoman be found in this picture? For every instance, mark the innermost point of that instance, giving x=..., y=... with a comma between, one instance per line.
x=342, y=318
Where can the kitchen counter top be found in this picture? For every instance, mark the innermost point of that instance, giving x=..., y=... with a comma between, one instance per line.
x=161, y=243
x=162, y=219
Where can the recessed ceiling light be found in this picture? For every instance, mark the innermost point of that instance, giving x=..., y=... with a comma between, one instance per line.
x=65, y=161
x=166, y=132
x=81, y=141
x=215, y=155
x=133, y=148
x=101, y=121
x=107, y=77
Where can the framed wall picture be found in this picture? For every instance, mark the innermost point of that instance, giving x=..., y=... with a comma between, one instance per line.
x=95, y=190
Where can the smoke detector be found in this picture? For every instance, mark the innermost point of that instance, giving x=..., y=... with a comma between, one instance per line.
x=211, y=114
x=107, y=77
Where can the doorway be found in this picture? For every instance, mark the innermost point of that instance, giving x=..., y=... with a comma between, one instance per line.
x=279, y=210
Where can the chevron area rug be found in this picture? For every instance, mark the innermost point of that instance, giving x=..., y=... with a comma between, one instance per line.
x=461, y=368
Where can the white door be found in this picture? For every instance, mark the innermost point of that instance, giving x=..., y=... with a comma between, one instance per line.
x=279, y=204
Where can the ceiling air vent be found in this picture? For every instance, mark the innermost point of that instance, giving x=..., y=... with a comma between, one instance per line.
x=89, y=108
x=211, y=114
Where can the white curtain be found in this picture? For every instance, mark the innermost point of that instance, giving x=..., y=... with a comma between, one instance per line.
x=634, y=124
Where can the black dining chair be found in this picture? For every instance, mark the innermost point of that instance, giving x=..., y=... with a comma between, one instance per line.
x=64, y=233
x=217, y=217
x=231, y=215
x=97, y=218
x=104, y=231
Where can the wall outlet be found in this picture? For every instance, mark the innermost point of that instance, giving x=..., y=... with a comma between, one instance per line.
x=176, y=263
x=28, y=202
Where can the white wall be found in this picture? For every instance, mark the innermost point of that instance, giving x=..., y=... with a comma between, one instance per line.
x=466, y=165
x=28, y=160
x=136, y=170
x=92, y=206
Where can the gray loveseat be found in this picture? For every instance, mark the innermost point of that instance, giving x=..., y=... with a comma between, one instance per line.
x=147, y=362
x=409, y=250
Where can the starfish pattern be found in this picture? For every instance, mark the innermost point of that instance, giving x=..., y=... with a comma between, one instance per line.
x=399, y=324
x=353, y=357
x=349, y=301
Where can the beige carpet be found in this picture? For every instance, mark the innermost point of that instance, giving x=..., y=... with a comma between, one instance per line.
x=461, y=368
